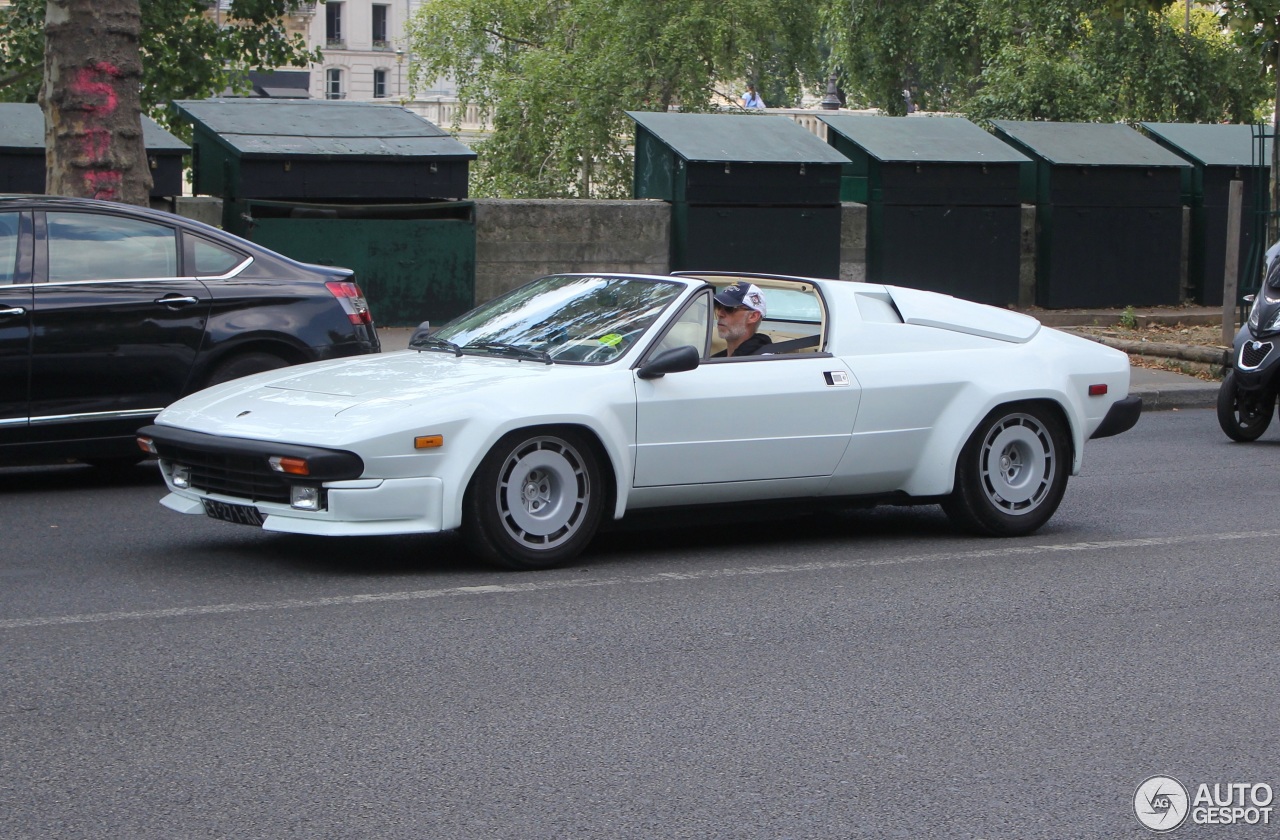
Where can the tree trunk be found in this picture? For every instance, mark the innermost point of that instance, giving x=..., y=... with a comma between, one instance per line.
x=93, y=112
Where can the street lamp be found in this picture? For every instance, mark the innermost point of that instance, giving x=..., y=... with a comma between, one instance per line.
x=831, y=102
x=400, y=74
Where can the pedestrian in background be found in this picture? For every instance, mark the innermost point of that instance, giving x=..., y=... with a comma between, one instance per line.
x=751, y=100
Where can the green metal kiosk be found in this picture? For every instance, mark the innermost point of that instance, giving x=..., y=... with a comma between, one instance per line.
x=749, y=192
x=372, y=187
x=943, y=208
x=1108, y=214
x=1220, y=154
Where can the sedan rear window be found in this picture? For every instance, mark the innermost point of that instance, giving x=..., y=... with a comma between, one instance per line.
x=213, y=259
x=8, y=246
x=91, y=246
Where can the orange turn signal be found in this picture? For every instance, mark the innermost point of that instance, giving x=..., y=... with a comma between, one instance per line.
x=292, y=466
x=428, y=442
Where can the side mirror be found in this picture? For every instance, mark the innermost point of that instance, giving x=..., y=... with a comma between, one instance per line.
x=675, y=360
x=423, y=330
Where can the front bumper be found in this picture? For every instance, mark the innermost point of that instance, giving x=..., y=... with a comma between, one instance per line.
x=363, y=507
x=1121, y=417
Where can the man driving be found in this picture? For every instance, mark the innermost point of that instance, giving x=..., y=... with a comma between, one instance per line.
x=739, y=310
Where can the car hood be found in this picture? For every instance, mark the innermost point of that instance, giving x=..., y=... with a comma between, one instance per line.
x=312, y=400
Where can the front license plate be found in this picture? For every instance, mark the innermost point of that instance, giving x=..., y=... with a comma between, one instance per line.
x=239, y=514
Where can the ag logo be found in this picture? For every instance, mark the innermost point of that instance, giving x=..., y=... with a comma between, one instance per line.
x=1161, y=803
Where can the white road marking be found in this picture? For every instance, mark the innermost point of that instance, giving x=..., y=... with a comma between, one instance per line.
x=1020, y=549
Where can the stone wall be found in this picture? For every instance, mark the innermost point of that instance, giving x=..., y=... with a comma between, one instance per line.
x=518, y=240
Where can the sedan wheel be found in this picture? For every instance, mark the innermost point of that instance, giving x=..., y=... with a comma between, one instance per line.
x=245, y=364
x=535, y=501
x=1012, y=473
x=1243, y=415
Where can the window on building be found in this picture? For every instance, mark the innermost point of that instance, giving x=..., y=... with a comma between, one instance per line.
x=380, y=83
x=333, y=24
x=333, y=84
x=381, y=15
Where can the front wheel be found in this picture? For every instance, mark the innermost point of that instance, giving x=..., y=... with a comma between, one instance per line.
x=535, y=501
x=1243, y=415
x=1012, y=472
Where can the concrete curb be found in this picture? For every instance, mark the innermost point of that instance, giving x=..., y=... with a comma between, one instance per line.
x=1169, y=396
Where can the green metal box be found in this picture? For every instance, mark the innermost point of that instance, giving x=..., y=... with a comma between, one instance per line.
x=802, y=241
x=733, y=159
x=1108, y=214
x=22, y=152
x=414, y=262
x=1220, y=154
x=320, y=150
x=943, y=203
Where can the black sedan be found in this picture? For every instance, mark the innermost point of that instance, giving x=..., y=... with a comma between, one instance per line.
x=109, y=312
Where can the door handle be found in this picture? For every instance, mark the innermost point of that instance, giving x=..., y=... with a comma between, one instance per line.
x=17, y=310
x=176, y=301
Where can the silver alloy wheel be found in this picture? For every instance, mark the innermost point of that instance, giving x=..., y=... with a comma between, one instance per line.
x=542, y=492
x=1017, y=464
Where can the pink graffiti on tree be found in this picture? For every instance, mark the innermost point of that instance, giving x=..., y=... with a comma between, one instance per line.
x=103, y=185
x=87, y=86
x=97, y=83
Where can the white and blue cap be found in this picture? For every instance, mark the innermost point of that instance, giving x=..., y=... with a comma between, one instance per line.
x=742, y=293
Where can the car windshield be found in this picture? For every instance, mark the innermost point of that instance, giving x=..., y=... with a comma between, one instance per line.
x=564, y=318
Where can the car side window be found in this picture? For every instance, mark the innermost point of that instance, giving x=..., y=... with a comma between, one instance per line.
x=691, y=328
x=91, y=246
x=212, y=259
x=8, y=247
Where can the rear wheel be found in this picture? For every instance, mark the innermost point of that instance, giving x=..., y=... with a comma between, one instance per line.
x=1243, y=415
x=1012, y=472
x=535, y=501
x=244, y=365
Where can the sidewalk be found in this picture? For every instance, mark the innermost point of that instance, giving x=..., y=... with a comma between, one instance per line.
x=1161, y=390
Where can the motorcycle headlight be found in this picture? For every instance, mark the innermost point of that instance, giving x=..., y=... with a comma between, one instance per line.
x=1254, y=313
x=1273, y=325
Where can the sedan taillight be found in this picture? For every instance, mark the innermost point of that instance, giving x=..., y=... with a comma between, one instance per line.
x=352, y=300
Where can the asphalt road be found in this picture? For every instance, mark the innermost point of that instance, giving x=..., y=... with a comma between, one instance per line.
x=862, y=674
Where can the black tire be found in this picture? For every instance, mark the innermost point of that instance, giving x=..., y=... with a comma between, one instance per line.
x=535, y=501
x=114, y=463
x=1243, y=415
x=244, y=365
x=1012, y=472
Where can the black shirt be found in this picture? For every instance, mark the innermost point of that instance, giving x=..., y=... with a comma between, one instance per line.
x=753, y=346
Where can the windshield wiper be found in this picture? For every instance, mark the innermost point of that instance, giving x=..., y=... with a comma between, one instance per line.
x=430, y=342
x=509, y=350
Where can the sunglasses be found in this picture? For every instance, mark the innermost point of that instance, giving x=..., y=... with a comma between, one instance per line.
x=731, y=309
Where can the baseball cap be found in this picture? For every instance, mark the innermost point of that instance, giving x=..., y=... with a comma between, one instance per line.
x=742, y=293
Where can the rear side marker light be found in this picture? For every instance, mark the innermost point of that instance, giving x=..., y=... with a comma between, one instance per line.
x=147, y=445
x=352, y=300
x=292, y=466
x=1097, y=390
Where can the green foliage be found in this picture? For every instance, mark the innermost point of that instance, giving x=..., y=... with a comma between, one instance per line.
x=185, y=55
x=1069, y=60
x=557, y=77
x=1129, y=318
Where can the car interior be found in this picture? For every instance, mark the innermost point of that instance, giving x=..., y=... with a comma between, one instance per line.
x=795, y=319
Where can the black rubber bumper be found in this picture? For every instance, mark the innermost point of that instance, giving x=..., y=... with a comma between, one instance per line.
x=1122, y=417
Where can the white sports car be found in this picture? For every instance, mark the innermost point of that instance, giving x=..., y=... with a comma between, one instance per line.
x=575, y=397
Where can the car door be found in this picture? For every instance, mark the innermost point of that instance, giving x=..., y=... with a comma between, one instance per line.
x=116, y=327
x=746, y=419
x=15, y=323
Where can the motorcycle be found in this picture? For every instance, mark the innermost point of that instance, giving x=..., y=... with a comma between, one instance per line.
x=1247, y=397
